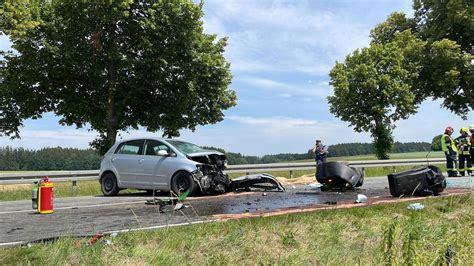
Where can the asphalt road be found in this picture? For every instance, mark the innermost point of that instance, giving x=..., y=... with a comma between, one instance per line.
x=81, y=216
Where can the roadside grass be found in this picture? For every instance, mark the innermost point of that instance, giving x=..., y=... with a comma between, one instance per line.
x=381, y=234
x=90, y=188
x=61, y=190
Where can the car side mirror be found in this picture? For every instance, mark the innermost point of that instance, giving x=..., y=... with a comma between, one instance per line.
x=163, y=153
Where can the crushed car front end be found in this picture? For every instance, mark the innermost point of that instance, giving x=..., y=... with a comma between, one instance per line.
x=210, y=175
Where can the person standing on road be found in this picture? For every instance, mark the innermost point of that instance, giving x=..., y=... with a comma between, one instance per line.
x=320, y=152
x=449, y=148
x=463, y=143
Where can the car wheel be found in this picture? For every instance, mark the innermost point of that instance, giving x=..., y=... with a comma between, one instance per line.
x=182, y=182
x=109, y=185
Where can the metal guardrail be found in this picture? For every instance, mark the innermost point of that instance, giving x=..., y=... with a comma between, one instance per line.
x=74, y=176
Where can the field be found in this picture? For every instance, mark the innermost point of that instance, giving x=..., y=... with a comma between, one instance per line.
x=379, y=234
x=86, y=188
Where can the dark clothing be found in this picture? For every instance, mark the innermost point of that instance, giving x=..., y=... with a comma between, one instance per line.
x=472, y=153
x=320, y=154
x=465, y=160
x=450, y=164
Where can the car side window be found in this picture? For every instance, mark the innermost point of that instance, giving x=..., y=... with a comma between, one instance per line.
x=153, y=146
x=133, y=147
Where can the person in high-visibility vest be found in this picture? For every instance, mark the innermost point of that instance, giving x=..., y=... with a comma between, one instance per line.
x=450, y=150
x=471, y=129
x=463, y=143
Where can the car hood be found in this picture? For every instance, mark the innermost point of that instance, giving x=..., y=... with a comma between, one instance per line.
x=215, y=158
x=204, y=153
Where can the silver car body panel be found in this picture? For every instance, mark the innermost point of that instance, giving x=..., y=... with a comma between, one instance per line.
x=141, y=171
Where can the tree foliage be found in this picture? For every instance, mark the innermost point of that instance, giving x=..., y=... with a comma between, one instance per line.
x=446, y=71
x=112, y=65
x=436, y=143
x=434, y=60
x=372, y=88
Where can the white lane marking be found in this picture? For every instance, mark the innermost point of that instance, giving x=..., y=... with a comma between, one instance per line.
x=77, y=207
x=8, y=244
x=162, y=226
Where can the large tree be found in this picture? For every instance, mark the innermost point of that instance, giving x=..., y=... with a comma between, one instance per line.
x=447, y=71
x=112, y=65
x=372, y=88
x=442, y=64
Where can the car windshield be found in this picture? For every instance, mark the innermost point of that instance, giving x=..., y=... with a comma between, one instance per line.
x=186, y=147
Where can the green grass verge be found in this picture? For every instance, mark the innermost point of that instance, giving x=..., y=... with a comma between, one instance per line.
x=383, y=234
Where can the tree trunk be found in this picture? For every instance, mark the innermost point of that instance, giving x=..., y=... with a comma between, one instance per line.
x=111, y=119
x=383, y=139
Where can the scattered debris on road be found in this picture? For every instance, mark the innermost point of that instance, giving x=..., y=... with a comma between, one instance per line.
x=314, y=186
x=361, y=198
x=179, y=206
x=416, y=206
x=257, y=181
x=95, y=238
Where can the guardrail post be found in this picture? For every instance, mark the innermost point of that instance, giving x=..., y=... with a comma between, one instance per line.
x=74, y=186
x=291, y=173
x=247, y=173
x=363, y=171
x=394, y=168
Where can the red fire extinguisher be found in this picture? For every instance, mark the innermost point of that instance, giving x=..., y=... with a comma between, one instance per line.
x=45, y=196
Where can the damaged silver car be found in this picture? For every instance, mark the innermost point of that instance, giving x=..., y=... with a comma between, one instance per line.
x=170, y=165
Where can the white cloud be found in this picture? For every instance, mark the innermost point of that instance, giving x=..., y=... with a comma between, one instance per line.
x=285, y=95
x=283, y=36
x=321, y=89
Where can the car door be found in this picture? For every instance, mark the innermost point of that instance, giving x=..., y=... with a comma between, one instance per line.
x=125, y=161
x=154, y=170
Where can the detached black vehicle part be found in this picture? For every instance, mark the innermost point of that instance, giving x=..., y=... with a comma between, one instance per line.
x=338, y=176
x=421, y=181
x=258, y=181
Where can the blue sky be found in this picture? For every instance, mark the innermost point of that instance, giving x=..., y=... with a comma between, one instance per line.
x=280, y=54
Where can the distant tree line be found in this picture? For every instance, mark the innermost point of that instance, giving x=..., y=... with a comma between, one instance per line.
x=345, y=149
x=76, y=159
x=48, y=159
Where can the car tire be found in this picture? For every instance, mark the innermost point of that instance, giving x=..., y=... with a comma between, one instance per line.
x=182, y=182
x=108, y=185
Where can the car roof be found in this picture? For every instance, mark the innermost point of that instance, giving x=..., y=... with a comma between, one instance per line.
x=143, y=138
